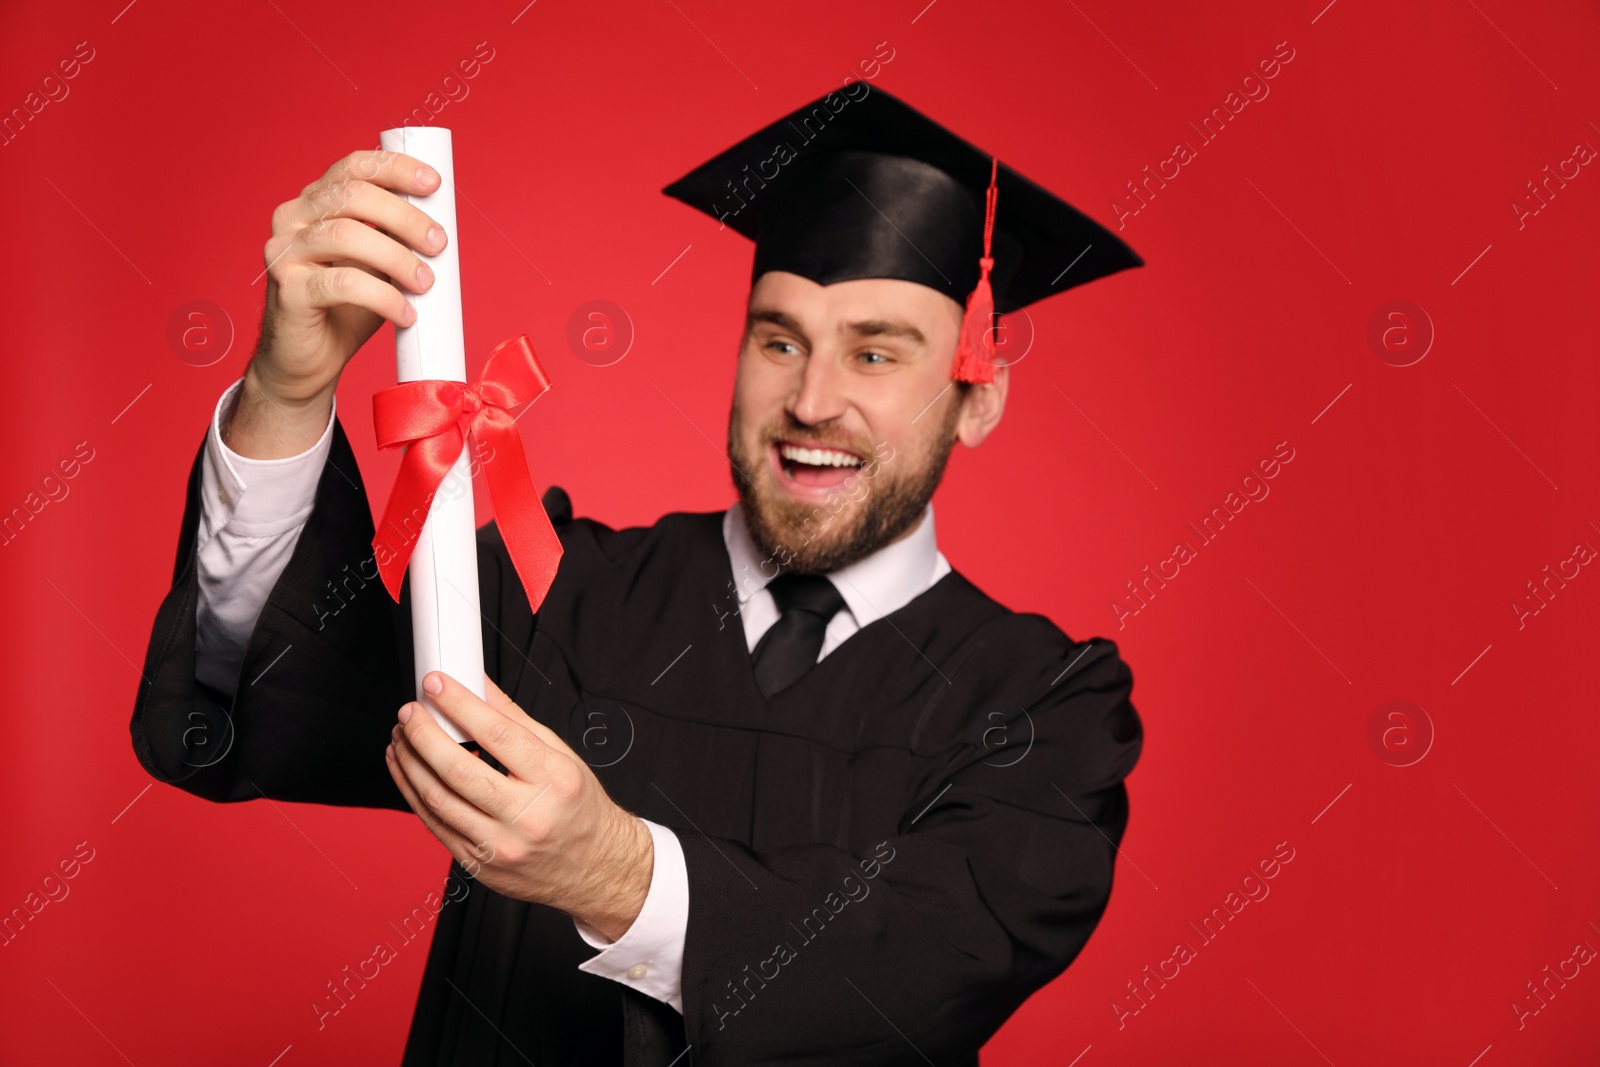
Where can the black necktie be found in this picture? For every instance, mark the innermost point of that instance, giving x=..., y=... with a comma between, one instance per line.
x=790, y=646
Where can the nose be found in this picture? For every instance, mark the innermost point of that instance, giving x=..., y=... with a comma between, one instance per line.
x=820, y=396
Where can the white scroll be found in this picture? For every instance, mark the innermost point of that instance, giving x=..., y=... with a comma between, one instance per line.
x=445, y=617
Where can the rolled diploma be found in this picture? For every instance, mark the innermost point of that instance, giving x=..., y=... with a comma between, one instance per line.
x=445, y=626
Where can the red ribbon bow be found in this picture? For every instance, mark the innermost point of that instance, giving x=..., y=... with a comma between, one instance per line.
x=435, y=418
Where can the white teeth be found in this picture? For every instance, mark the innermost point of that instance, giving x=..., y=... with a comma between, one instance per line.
x=818, y=457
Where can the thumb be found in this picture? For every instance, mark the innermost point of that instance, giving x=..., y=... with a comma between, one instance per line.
x=497, y=699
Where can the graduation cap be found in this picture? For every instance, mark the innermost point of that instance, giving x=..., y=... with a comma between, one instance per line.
x=859, y=184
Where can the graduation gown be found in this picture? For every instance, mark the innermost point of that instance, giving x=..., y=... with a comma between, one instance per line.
x=884, y=860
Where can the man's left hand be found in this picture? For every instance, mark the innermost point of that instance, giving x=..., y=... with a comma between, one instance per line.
x=545, y=832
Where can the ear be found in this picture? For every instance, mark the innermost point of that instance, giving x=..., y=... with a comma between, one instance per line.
x=982, y=407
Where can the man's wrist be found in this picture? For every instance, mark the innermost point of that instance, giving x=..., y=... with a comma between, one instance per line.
x=262, y=425
x=624, y=881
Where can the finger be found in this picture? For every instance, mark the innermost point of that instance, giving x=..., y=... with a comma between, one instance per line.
x=470, y=856
x=511, y=709
x=393, y=170
x=409, y=792
x=331, y=287
x=443, y=804
x=462, y=770
x=366, y=202
x=344, y=239
x=517, y=748
x=497, y=697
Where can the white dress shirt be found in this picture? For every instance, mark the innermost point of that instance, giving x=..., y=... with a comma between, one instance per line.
x=252, y=512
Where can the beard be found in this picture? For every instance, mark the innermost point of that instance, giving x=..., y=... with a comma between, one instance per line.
x=878, y=503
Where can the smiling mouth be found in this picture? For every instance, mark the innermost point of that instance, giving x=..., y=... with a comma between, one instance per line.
x=814, y=466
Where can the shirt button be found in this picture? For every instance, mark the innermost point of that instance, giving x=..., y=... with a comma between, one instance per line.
x=637, y=971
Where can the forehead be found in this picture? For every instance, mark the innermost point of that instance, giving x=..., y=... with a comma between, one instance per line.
x=832, y=307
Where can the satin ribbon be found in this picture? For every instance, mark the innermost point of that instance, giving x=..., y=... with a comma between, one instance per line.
x=433, y=419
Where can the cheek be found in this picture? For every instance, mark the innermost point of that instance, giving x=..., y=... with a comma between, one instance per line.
x=759, y=391
x=891, y=424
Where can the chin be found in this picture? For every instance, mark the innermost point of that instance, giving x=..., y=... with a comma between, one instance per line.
x=805, y=537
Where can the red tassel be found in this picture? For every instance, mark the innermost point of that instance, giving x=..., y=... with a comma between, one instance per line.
x=975, y=351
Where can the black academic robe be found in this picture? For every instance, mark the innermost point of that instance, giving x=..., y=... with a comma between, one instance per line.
x=884, y=860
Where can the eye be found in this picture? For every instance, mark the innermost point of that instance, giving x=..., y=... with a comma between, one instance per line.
x=783, y=348
x=874, y=358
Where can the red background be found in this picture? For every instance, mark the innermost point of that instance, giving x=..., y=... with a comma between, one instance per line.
x=1381, y=567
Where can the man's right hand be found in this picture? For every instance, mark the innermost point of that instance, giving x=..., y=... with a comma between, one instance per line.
x=333, y=253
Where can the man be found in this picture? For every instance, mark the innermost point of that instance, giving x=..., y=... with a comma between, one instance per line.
x=863, y=810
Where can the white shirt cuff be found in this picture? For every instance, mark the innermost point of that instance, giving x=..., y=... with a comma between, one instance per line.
x=251, y=515
x=649, y=956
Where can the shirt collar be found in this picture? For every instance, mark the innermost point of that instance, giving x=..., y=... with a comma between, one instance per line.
x=873, y=587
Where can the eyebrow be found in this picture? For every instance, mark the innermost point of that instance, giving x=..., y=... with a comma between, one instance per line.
x=885, y=328
x=865, y=328
x=776, y=318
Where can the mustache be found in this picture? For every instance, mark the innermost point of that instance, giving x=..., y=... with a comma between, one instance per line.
x=790, y=429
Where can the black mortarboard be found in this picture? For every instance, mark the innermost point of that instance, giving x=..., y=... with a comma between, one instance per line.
x=860, y=185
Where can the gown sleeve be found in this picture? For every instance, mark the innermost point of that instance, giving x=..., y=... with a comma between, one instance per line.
x=918, y=947
x=325, y=668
